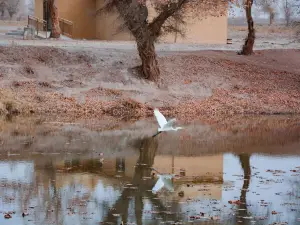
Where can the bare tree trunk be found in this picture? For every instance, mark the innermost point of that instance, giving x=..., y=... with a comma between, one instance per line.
x=55, y=31
x=10, y=15
x=249, y=42
x=148, y=56
x=270, y=19
x=287, y=20
x=287, y=14
x=272, y=16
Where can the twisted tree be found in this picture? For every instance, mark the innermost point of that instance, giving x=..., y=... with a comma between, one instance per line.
x=168, y=15
x=247, y=48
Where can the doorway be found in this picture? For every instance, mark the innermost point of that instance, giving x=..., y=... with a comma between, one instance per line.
x=46, y=15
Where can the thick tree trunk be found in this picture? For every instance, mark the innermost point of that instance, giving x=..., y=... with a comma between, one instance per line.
x=55, y=31
x=150, y=68
x=249, y=42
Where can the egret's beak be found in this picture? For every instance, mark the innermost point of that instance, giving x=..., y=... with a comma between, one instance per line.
x=156, y=134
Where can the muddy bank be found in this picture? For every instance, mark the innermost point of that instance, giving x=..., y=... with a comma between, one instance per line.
x=92, y=84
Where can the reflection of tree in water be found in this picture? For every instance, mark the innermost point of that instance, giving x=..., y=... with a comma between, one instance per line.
x=243, y=211
x=42, y=194
x=51, y=203
x=148, y=148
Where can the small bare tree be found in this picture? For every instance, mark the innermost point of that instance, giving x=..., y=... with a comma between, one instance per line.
x=3, y=7
x=247, y=48
x=291, y=8
x=13, y=7
x=168, y=15
x=287, y=10
x=268, y=6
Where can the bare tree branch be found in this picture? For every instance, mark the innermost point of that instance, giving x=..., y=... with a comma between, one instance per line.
x=167, y=11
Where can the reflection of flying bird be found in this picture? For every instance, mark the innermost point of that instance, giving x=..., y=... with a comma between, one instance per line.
x=163, y=123
x=164, y=180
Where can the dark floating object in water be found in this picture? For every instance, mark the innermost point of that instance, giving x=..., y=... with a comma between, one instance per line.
x=7, y=216
x=25, y=214
x=181, y=193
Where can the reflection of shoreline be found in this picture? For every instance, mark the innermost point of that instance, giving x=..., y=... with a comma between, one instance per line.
x=264, y=135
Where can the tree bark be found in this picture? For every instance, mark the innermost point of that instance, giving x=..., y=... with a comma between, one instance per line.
x=249, y=42
x=55, y=31
x=150, y=68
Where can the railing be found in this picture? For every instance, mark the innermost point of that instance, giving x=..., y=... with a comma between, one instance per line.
x=66, y=27
x=37, y=24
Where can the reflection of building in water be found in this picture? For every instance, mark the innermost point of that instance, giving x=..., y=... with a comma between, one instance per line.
x=205, y=174
x=201, y=167
x=204, y=169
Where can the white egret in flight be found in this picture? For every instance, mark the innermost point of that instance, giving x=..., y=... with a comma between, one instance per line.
x=164, y=125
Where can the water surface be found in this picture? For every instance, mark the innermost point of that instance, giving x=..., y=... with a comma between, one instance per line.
x=224, y=176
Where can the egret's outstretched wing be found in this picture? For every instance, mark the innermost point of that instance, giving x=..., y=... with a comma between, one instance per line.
x=159, y=185
x=160, y=118
x=170, y=123
x=168, y=183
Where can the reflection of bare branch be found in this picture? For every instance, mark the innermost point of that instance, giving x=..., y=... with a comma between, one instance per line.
x=148, y=148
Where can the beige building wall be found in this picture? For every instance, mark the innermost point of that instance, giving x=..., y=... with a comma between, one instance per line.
x=88, y=25
x=212, y=30
x=193, y=166
x=80, y=12
x=107, y=25
x=38, y=9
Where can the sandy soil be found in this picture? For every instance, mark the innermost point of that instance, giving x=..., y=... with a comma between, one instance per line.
x=91, y=84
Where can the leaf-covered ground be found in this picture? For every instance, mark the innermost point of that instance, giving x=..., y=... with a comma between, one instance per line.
x=93, y=84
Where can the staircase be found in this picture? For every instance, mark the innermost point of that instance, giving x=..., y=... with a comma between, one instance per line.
x=39, y=26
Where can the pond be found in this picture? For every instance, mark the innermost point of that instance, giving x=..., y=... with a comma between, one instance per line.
x=225, y=173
